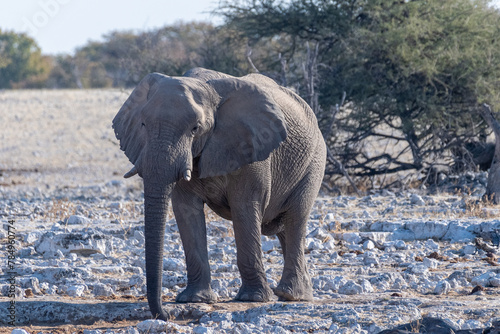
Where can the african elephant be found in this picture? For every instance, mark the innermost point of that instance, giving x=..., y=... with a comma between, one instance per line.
x=249, y=149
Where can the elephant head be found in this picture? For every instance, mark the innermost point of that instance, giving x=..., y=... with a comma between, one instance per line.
x=169, y=123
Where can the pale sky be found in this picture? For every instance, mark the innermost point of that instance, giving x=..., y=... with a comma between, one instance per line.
x=59, y=26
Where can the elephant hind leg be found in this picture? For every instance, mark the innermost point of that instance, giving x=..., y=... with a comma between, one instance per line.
x=295, y=281
x=282, y=238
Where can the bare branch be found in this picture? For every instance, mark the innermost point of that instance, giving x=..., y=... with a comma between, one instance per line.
x=248, y=54
x=341, y=168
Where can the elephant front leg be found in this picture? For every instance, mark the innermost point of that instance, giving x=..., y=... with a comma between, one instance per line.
x=247, y=225
x=188, y=210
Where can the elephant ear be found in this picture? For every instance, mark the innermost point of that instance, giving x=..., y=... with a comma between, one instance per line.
x=127, y=122
x=249, y=125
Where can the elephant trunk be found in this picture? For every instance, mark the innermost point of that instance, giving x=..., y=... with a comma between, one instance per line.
x=156, y=197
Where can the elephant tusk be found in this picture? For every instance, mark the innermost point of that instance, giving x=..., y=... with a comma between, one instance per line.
x=187, y=175
x=131, y=173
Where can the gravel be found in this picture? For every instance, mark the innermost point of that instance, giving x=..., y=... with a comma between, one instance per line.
x=368, y=274
x=386, y=261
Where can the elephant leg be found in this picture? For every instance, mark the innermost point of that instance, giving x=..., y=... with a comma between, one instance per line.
x=190, y=217
x=282, y=238
x=247, y=230
x=295, y=281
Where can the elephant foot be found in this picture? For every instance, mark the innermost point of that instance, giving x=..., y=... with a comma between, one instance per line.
x=295, y=292
x=254, y=294
x=196, y=295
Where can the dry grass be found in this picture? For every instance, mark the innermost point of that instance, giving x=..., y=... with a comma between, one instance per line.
x=60, y=209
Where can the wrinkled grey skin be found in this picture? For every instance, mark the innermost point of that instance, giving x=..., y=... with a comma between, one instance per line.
x=249, y=149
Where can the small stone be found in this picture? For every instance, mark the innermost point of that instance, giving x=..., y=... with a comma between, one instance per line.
x=416, y=200
x=351, y=237
x=346, y=317
x=137, y=280
x=101, y=289
x=351, y=288
x=483, y=280
x=469, y=250
x=329, y=245
x=442, y=288
x=471, y=324
x=368, y=245
x=430, y=263
x=131, y=330
x=52, y=290
x=76, y=290
x=334, y=328
x=330, y=217
x=216, y=317
x=26, y=251
x=431, y=244
x=400, y=244
x=418, y=269
x=32, y=237
x=114, y=183
x=370, y=258
x=19, y=331
x=495, y=281
x=152, y=326
x=332, y=284
x=366, y=215
x=318, y=233
x=203, y=330
x=278, y=330
x=110, y=270
x=92, y=331
x=313, y=244
x=367, y=286
x=241, y=328
x=31, y=283
x=173, y=264
x=76, y=220
x=115, y=205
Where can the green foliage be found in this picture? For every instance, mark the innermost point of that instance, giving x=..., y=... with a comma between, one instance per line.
x=20, y=58
x=124, y=58
x=62, y=74
x=413, y=72
x=421, y=68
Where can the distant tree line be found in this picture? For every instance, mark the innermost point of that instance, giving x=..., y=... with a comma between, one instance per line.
x=396, y=85
x=122, y=58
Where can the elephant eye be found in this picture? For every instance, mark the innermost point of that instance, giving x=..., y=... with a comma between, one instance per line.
x=142, y=124
x=195, y=129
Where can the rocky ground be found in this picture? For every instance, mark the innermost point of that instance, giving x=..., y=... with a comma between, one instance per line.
x=386, y=261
